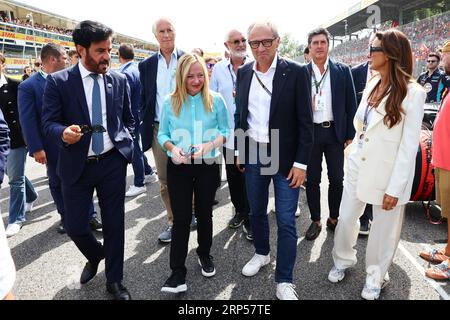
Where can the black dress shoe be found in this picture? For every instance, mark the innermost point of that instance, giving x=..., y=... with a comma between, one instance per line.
x=89, y=272
x=95, y=224
x=330, y=225
x=118, y=291
x=61, y=229
x=313, y=231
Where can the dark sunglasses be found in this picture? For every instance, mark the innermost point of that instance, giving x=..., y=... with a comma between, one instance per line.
x=432, y=61
x=239, y=41
x=85, y=129
x=267, y=43
x=375, y=49
x=210, y=66
x=37, y=64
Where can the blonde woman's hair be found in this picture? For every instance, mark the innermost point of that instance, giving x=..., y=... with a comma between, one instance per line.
x=180, y=96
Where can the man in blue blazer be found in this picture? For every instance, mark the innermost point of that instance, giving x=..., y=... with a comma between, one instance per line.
x=142, y=170
x=158, y=80
x=273, y=108
x=334, y=108
x=40, y=146
x=86, y=111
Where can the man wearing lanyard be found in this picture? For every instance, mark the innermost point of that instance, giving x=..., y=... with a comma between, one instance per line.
x=334, y=107
x=223, y=80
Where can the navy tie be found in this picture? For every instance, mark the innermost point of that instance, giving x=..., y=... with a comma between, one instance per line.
x=97, y=117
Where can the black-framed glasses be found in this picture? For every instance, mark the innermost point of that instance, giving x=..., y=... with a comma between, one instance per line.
x=267, y=43
x=375, y=49
x=85, y=129
x=432, y=61
x=239, y=41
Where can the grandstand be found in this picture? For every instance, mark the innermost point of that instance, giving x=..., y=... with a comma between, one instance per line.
x=24, y=30
x=425, y=22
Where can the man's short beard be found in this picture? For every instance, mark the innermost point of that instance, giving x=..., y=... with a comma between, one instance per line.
x=238, y=54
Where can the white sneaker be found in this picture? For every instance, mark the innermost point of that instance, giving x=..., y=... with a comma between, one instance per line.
x=371, y=292
x=336, y=275
x=256, y=263
x=298, y=212
x=286, y=291
x=28, y=206
x=135, y=191
x=150, y=178
x=13, y=229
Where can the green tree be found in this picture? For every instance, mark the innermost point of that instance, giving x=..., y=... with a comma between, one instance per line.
x=290, y=48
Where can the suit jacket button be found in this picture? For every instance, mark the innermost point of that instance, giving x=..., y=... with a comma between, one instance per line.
x=363, y=159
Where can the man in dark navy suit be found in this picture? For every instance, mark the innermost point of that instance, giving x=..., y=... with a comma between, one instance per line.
x=334, y=108
x=41, y=147
x=158, y=80
x=273, y=107
x=86, y=111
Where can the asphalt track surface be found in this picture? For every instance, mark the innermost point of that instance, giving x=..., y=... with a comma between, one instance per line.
x=48, y=264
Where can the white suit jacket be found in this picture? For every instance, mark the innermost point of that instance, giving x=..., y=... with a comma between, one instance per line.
x=388, y=156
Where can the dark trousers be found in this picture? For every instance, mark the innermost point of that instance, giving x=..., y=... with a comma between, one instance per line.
x=141, y=168
x=108, y=177
x=236, y=184
x=56, y=191
x=368, y=214
x=183, y=181
x=325, y=143
x=286, y=202
x=55, y=188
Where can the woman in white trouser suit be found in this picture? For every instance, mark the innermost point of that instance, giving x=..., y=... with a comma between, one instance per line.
x=381, y=164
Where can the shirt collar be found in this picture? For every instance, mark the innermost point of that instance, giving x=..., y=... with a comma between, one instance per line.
x=246, y=59
x=43, y=74
x=85, y=73
x=3, y=80
x=316, y=68
x=273, y=66
x=174, y=54
x=125, y=65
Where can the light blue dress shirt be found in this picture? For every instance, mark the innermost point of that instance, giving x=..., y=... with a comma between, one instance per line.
x=165, y=81
x=194, y=125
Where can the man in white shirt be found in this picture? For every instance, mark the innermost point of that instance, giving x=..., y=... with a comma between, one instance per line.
x=224, y=81
x=273, y=107
x=334, y=108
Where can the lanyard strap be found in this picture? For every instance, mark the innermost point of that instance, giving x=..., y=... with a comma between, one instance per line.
x=369, y=109
x=263, y=86
x=232, y=77
x=319, y=85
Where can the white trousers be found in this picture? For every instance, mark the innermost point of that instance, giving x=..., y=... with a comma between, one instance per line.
x=384, y=234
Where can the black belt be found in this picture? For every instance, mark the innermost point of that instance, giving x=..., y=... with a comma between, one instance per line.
x=326, y=124
x=96, y=159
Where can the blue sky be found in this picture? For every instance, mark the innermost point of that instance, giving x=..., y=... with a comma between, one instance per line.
x=200, y=23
